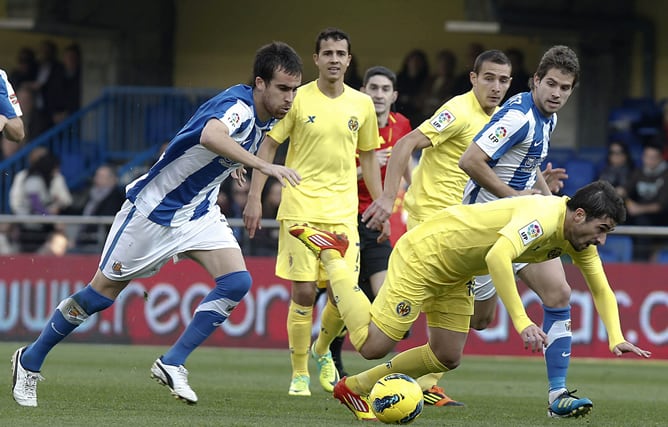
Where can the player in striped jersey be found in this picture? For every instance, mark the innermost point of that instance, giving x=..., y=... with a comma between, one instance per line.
x=504, y=161
x=10, y=111
x=171, y=213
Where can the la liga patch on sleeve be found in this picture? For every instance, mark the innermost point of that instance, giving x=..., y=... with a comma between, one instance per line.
x=442, y=120
x=530, y=232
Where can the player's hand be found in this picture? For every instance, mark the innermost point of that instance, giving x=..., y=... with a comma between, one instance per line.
x=554, y=178
x=383, y=156
x=252, y=215
x=283, y=174
x=385, y=233
x=377, y=213
x=627, y=347
x=239, y=175
x=534, y=338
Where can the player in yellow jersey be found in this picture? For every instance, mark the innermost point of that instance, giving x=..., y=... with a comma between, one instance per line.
x=432, y=267
x=437, y=181
x=327, y=124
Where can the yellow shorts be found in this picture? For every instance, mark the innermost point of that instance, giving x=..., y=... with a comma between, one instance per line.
x=295, y=262
x=409, y=290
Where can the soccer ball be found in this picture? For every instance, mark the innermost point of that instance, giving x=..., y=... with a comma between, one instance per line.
x=396, y=399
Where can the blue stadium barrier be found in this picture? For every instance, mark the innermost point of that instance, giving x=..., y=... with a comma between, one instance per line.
x=123, y=124
x=580, y=173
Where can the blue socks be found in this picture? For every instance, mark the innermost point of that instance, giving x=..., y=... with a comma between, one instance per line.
x=214, y=309
x=557, y=326
x=71, y=312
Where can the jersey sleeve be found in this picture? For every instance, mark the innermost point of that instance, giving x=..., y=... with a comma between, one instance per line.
x=282, y=130
x=442, y=126
x=9, y=104
x=507, y=128
x=368, y=137
x=605, y=301
x=235, y=116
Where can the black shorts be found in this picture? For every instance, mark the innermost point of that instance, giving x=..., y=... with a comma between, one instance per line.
x=374, y=256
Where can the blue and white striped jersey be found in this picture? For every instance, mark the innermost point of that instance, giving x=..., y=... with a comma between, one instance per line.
x=516, y=139
x=183, y=184
x=9, y=105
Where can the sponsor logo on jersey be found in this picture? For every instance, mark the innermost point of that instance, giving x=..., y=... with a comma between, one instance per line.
x=403, y=309
x=310, y=119
x=530, y=232
x=13, y=99
x=353, y=124
x=442, y=120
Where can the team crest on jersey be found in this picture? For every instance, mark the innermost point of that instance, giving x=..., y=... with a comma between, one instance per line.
x=403, y=309
x=554, y=253
x=530, y=232
x=13, y=99
x=116, y=267
x=353, y=124
x=442, y=121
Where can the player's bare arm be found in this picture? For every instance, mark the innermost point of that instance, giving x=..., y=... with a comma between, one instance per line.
x=12, y=128
x=381, y=209
x=252, y=213
x=474, y=163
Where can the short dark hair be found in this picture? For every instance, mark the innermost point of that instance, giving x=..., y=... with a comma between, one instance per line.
x=334, y=34
x=273, y=57
x=599, y=200
x=562, y=58
x=495, y=56
x=379, y=70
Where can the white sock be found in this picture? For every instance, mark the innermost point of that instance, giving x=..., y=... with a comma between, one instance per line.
x=553, y=394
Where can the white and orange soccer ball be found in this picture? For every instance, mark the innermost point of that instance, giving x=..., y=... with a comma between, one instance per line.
x=396, y=399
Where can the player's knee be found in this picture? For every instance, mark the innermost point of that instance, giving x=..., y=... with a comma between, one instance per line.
x=448, y=358
x=559, y=296
x=235, y=285
x=480, y=323
x=376, y=346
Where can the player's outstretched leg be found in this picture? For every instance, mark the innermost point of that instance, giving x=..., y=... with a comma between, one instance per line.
x=176, y=378
x=357, y=404
x=318, y=240
x=568, y=405
x=24, y=382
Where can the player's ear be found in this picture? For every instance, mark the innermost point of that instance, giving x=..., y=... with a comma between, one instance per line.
x=260, y=83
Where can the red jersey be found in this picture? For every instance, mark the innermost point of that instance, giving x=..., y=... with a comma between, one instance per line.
x=397, y=126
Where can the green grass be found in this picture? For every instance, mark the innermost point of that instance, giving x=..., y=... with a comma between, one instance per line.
x=109, y=385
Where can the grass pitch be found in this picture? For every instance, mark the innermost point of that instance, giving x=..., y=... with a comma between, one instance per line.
x=109, y=385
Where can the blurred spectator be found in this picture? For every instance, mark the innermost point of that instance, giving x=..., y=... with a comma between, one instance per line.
x=412, y=81
x=71, y=99
x=31, y=120
x=103, y=198
x=50, y=84
x=352, y=77
x=238, y=198
x=26, y=70
x=618, y=167
x=265, y=242
x=58, y=190
x=462, y=82
x=8, y=239
x=439, y=87
x=56, y=244
x=520, y=81
x=36, y=199
x=647, y=198
x=664, y=128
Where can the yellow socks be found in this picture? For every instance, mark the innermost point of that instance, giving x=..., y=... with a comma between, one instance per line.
x=414, y=362
x=353, y=305
x=331, y=325
x=299, y=323
x=429, y=380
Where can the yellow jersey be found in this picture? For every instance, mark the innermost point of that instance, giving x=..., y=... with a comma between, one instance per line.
x=471, y=240
x=324, y=134
x=437, y=181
